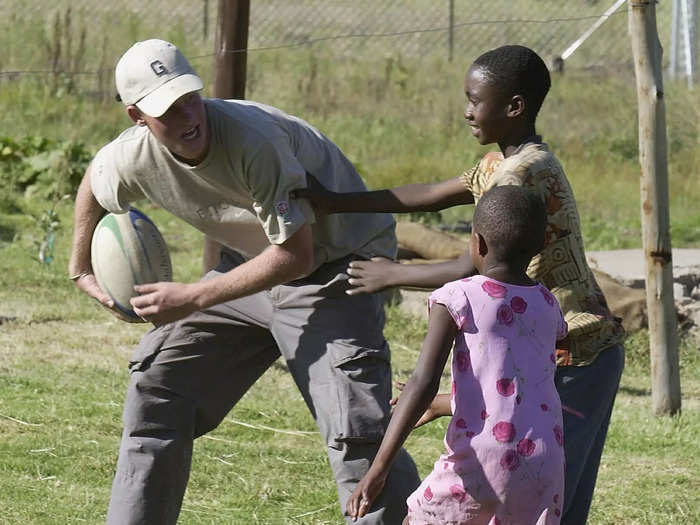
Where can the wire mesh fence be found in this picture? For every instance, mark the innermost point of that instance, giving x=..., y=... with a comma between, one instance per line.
x=83, y=39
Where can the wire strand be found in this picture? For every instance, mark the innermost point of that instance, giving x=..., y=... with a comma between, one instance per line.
x=311, y=41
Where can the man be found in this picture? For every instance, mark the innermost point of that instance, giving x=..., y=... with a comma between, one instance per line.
x=276, y=284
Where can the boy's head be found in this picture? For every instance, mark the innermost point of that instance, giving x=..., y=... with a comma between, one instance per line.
x=517, y=70
x=511, y=220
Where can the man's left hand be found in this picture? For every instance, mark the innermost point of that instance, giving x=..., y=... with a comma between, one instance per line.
x=161, y=303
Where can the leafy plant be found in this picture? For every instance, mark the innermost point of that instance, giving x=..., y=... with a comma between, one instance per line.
x=40, y=167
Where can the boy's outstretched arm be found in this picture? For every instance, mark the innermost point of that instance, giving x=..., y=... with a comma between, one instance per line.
x=378, y=273
x=412, y=197
x=415, y=399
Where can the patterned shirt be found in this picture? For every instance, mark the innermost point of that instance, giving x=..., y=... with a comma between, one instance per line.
x=561, y=266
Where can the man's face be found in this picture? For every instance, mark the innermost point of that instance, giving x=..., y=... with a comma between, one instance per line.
x=486, y=107
x=183, y=128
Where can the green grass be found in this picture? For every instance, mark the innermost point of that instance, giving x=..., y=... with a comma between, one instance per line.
x=63, y=360
x=401, y=121
x=63, y=375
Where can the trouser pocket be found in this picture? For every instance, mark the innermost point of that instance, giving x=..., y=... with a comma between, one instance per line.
x=363, y=391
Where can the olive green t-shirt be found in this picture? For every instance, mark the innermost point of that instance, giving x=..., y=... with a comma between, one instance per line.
x=561, y=266
x=239, y=194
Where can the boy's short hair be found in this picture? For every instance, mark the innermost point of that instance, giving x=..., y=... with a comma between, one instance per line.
x=512, y=220
x=517, y=70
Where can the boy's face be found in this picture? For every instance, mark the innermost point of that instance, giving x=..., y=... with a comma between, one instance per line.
x=486, y=109
x=182, y=129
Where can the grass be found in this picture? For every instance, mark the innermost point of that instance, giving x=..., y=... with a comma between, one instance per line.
x=63, y=376
x=63, y=360
x=400, y=121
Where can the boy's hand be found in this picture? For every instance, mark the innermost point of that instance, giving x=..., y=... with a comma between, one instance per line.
x=365, y=493
x=319, y=197
x=370, y=276
x=432, y=412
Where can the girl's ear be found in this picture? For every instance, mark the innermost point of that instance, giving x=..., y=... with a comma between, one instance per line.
x=516, y=106
x=135, y=115
x=481, y=242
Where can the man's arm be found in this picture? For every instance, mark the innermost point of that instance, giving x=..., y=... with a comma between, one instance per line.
x=412, y=197
x=86, y=216
x=165, y=302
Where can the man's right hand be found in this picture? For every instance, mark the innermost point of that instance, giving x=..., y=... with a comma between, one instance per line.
x=371, y=276
x=88, y=284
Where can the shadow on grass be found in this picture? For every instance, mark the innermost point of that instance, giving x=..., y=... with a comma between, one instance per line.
x=639, y=392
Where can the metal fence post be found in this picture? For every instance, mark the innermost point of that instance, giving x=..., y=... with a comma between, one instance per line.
x=205, y=20
x=684, y=39
x=451, y=35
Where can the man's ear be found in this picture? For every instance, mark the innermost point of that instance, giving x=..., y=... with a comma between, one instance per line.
x=516, y=106
x=135, y=115
x=481, y=242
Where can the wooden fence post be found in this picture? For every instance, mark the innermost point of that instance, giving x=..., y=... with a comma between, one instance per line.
x=230, y=47
x=656, y=239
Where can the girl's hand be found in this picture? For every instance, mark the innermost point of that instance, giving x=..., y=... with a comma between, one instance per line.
x=435, y=410
x=319, y=197
x=366, y=491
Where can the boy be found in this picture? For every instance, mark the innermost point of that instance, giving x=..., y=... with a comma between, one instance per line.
x=505, y=89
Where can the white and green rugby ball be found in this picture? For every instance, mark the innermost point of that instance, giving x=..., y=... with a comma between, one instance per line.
x=127, y=249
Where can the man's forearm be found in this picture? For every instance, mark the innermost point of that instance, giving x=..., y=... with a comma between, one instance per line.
x=277, y=264
x=87, y=213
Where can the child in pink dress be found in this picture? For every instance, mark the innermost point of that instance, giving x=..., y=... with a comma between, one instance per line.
x=504, y=459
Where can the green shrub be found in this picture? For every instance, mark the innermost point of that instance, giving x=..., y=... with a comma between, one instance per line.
x=37, y=166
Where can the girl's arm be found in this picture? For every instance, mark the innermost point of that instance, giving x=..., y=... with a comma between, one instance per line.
x=415, y=399
x=412, y=197
x=440, y=406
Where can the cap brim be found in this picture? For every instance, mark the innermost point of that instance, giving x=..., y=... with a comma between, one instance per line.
x=158, y=101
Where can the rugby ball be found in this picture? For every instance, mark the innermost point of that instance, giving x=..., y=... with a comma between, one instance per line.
x=127, y=249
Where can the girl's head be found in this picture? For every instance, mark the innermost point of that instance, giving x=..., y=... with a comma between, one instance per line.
x=508, y=229
x=505, y=88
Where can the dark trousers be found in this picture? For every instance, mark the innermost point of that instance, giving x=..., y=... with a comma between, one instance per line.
x=587, y=395
x=187, y=375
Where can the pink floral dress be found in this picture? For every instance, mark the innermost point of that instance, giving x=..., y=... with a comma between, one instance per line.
x=504, y=459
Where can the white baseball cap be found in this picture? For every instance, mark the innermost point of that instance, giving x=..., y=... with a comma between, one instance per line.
x=152, y=75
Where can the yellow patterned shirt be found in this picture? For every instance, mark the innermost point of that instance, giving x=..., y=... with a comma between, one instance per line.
x=561, y=266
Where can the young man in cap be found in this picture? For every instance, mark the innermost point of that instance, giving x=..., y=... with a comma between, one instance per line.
x=276, y=285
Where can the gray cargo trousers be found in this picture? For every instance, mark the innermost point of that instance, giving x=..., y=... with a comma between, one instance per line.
x=186, y=376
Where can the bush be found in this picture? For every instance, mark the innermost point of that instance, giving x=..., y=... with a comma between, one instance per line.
x=37, y=166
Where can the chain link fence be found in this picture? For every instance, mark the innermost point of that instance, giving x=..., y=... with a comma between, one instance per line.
x=83, y=39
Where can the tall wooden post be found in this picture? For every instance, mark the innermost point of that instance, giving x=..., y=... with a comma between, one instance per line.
x=656, y=238
x=230, y=46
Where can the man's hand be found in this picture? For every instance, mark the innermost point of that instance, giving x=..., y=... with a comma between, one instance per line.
x=319, y=197
x=370, y=276
x=366, y=491
x=88, y=284
x=162, y=303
